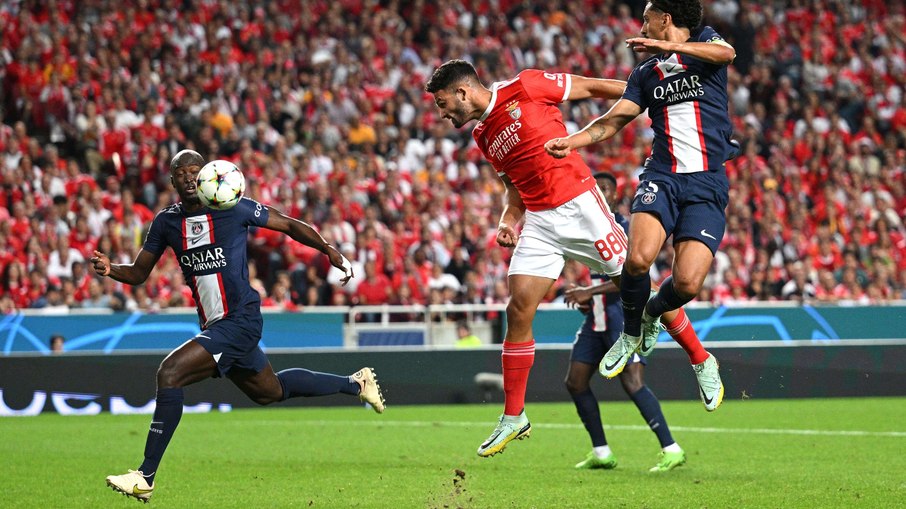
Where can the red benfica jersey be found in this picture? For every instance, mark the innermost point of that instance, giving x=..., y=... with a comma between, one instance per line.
x=512, y=132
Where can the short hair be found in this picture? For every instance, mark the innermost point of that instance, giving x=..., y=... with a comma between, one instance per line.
x=186, y=158
x=450, y=73
x=607, y=176
x=685, y=13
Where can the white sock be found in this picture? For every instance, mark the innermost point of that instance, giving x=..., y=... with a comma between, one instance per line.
x=602, y=451
x=674, y=447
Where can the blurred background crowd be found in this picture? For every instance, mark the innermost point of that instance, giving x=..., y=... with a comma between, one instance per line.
x=321, y=104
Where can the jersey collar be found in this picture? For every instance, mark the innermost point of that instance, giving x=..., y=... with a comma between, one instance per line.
x=491, y=104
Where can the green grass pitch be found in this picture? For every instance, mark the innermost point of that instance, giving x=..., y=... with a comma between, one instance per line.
x=776, y=454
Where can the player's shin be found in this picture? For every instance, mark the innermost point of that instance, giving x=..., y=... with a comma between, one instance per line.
x=298, y=382
x=167, y=415
x=665, y=300
x=680, y=329
x=634, y=292
x=517, y=360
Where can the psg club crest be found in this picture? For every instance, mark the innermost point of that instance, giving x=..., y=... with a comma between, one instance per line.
x=648, y=190
x=197, y=228
x=514, y=110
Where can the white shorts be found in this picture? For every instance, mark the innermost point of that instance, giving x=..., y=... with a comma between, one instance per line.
x=582, y=229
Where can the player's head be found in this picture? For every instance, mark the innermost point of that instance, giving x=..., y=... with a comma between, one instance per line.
x=607, y=183
x=454, y=85
x=184, y=167
x=661, y=15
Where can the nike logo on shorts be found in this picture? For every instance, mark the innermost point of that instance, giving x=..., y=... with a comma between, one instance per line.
x=706, y=234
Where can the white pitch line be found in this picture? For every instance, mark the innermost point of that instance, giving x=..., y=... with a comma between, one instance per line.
x=693, y=429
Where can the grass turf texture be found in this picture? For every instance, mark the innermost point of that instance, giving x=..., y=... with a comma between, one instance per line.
x=780, y=453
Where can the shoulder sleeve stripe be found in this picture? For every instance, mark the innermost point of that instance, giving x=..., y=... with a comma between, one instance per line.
x=567, y=87
x=721, y=42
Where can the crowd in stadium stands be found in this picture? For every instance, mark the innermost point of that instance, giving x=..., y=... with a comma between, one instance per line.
x=321, y=104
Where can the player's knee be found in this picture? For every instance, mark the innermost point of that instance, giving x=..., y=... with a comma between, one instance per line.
x=518, y=311
x=632, y=385
x=637, y=264
x=168, y=375
x=264, y=400
x=686, y=287
x=575, y=386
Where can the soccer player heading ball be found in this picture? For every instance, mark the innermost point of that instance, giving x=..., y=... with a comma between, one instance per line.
x=211, y=248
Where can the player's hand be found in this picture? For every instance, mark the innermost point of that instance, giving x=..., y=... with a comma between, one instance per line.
x=506, y=235
x=644, y=45
x=339, y=261
x=578, y=297
x=558, y=147
x=101, y=263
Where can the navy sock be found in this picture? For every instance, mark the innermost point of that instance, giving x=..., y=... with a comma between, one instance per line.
x=650, y=409
x=302, y=382
x=666, y=299
x=587, y=408
x=166, y=417
x=634, y=292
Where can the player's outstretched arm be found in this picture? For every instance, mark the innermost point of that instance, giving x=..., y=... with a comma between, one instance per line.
x=513, y=210
x=599, y=88
x=134, y=273
x=304, y=233
x=600, y=129
x=715, y=52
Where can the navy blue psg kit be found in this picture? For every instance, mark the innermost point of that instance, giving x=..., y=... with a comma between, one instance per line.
x=210, y=246
x=686, y=99
x=685, y=181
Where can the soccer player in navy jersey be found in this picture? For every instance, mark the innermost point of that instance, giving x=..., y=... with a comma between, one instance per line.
x=599, y=331
x=683, y=190
x=211, y=248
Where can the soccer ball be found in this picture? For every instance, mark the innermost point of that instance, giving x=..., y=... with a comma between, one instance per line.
x=220, y=185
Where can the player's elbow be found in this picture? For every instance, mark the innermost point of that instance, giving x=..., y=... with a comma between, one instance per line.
x=727, y=55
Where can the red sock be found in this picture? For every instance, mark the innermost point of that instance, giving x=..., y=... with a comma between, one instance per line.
x=517, y=360
x=683, y=333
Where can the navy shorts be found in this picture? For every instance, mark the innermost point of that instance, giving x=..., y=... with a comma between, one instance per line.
x=233, y=342
x=591, y=345
x=689, y=205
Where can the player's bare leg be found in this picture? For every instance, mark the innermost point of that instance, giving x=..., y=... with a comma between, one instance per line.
x=517, y=358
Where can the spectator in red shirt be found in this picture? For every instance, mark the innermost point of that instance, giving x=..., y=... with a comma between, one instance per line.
x=375, y=288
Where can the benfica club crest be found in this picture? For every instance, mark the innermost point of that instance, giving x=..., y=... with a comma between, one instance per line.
x=514, y=110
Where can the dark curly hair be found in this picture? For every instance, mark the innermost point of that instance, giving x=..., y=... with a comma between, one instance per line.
x=450, y=73
x=685, y=13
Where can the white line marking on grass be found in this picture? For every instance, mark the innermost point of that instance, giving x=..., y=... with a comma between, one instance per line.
x=554, y=425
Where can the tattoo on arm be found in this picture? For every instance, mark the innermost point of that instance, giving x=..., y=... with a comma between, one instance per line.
x=597, y=132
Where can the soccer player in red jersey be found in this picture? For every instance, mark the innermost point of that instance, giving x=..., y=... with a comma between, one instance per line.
x=564, y=213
